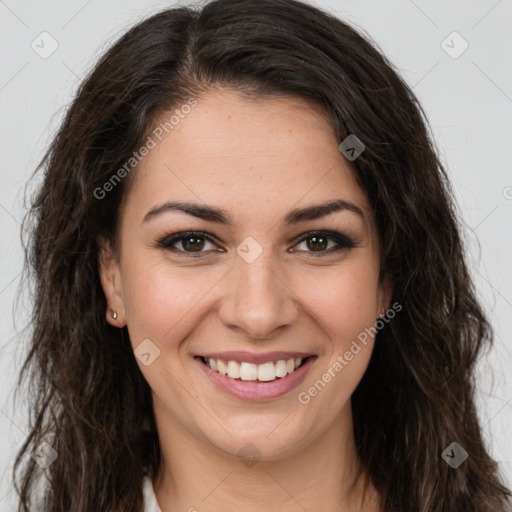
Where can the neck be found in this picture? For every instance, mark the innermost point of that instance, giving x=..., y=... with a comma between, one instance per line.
x=197, y=476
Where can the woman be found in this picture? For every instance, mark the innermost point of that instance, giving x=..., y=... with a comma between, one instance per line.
x=251, y=292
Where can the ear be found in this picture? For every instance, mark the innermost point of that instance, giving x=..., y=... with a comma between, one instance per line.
x=110, y=277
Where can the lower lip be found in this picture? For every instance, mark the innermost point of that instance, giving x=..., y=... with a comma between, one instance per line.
x=256, y=390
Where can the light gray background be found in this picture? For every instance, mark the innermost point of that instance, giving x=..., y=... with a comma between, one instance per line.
x=468, y=101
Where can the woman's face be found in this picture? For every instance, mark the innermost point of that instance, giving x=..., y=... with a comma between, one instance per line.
x=253, y=283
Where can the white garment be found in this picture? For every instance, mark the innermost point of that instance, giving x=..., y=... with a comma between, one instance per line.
x=150, y=503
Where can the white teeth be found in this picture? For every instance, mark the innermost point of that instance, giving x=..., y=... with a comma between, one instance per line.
x=266, y=372
x=222, y=367
x=281, y=369
x=248, y=371
x=233, y=370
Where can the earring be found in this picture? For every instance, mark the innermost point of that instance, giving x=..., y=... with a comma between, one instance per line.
x=114, y=314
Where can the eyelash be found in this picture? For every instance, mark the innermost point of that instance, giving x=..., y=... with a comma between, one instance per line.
x=342, y=241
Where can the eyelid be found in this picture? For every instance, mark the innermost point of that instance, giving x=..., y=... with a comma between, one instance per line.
x=168, y=240
x=342, y=241
x=326, y=232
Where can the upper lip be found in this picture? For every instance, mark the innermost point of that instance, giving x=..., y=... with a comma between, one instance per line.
x=249, y=357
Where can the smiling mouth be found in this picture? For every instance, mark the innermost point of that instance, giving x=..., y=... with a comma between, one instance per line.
x=244, y=371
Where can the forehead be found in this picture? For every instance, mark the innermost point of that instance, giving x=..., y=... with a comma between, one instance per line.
x=244, y=153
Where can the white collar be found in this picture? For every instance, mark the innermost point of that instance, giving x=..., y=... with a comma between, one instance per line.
x=150, y=503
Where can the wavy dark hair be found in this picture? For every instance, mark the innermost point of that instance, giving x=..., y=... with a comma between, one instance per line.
x=86, y=390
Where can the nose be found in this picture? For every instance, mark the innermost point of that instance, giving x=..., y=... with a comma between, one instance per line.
x=257, y=299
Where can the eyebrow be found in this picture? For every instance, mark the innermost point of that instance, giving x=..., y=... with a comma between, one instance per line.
x=221, y=216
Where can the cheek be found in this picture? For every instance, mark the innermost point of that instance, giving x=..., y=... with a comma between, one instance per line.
x=344, y=304
x=163, y=306
x=155, y=304
x=163, y=302
x=344, y=300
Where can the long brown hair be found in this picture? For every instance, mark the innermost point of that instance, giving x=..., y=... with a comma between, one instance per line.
x=89, y=399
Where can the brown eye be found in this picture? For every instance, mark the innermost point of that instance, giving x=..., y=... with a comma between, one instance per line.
x=192, y=243
x=318, y=242
x=187, y=242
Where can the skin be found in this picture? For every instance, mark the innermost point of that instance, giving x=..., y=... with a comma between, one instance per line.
x=256, y=159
